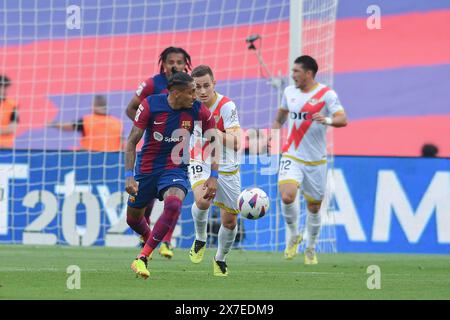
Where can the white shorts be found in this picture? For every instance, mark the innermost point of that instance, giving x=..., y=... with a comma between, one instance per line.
x=228, y=188
x=311, y=178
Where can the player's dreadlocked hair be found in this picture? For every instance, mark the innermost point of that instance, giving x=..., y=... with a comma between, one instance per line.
x=163, y=56
x=179, y=80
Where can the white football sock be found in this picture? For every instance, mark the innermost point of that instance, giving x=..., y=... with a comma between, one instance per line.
x=313, y=227
x=225, y=241
x=200, y=222
x=290, y=213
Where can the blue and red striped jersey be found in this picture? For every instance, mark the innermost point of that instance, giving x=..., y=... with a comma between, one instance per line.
x=153, y=85
x=167, y=133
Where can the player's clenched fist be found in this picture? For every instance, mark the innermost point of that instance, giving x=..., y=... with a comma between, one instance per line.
x=211, y=187
x=131, y=186
x=319, y=118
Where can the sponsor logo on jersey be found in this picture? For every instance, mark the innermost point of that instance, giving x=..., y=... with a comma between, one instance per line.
x=300, y=116
x=171, y=139
x=158, y=136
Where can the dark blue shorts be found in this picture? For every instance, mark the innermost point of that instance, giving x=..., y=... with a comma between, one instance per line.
x=154, y=185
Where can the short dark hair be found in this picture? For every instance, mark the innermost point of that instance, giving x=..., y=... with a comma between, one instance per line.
x=4, y=81
x=202, y=70
x=100, y=101
x=179, y=80
x=429, y=150
x=165, y=54
x=308, y=63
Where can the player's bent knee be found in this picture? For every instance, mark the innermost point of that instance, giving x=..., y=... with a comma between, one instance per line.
x=230, y=225
x=174, y=192
x=202, y=204
x=172, y=203
x=314, y=207
x=287, y=198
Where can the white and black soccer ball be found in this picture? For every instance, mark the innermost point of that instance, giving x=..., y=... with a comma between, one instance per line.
x=253, y=203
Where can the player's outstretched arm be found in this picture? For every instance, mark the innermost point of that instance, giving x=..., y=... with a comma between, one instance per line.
x=130, y=156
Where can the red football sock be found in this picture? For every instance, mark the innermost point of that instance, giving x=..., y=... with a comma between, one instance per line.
x=169, y=218
x=168, y=236
x=139, y=225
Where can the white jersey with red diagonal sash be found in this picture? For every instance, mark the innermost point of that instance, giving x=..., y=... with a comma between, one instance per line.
x=306, y=138
x=226, y=116
x=229, y=182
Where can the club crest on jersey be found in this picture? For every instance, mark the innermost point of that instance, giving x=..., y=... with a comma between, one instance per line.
x=132, y=199
x=158, y=136
x=186, y=124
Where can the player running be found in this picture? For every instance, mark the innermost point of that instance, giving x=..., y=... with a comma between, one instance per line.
x=229, y=182
x=171, y=60
x=311, y=107
x=161, y=167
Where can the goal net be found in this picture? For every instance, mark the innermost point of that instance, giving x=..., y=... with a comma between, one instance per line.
x=59, y=56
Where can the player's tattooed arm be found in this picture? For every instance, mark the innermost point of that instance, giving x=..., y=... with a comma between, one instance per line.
x=135, y=136
x=130, y=150
x=132, y=107
x=280, y=118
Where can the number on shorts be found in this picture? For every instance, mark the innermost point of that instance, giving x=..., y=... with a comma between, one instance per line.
x=285, y=164
x=196, y=169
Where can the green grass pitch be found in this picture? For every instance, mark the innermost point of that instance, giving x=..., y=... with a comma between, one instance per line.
x=30, y=272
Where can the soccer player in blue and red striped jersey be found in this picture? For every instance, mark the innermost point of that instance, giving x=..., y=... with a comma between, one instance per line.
x=161, y=167
x=171, y=60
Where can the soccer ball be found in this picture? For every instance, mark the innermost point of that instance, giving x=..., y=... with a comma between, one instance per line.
x=253, y=203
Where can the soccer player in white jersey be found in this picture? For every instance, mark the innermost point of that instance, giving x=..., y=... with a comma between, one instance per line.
x=311, y=107
x=229, y=182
